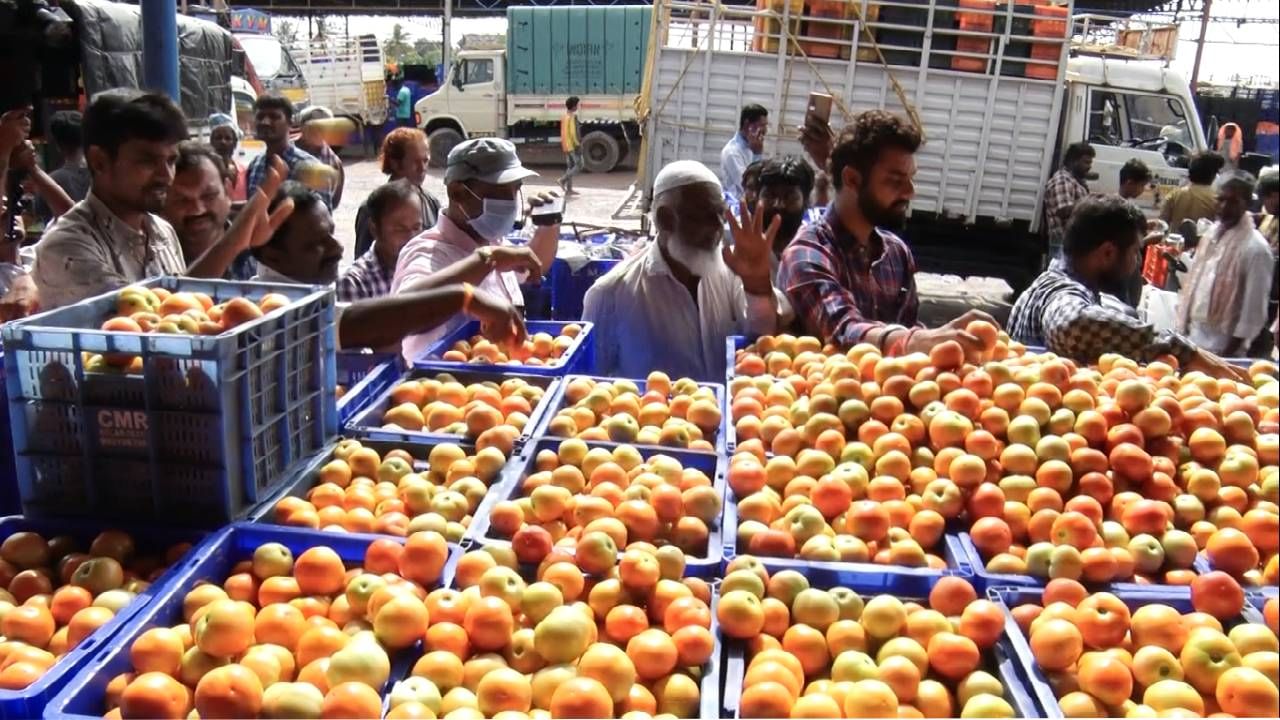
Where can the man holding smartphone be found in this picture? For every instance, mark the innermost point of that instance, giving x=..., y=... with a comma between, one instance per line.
x=744, y=148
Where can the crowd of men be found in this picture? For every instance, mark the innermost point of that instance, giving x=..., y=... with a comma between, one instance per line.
x=136, y=198
x=156, y=202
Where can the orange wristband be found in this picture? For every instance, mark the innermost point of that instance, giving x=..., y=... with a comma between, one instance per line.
x=468, y=293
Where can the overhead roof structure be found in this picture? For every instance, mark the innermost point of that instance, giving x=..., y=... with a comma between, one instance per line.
x=499, y=7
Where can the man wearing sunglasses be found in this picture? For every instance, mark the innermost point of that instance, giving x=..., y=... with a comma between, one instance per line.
x=483, y=178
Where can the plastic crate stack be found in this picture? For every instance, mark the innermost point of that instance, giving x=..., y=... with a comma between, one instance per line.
x=147, y=540
x=199, y=433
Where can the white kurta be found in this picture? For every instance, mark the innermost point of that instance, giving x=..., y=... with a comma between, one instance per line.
x=645, y=319
x=1255, y=267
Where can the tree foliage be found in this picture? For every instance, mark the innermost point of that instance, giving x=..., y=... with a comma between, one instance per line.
x=401, y=49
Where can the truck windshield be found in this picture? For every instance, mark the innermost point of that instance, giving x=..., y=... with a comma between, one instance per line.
x=266, y=54
x=1154, y=117
x=1137, y=119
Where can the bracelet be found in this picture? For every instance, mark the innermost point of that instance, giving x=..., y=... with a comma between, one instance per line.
x=468, y=294
x=899, y=346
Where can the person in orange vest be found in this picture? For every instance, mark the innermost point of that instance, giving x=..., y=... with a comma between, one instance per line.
x=1231, y=143
x=571, y=144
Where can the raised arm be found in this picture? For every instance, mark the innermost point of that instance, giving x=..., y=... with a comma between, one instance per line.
x=48, y=189
x=253, y=226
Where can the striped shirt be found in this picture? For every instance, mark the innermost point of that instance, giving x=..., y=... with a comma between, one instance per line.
x=294, y=157
x=1062, y=191
x=840, y=294
x=1069, y=318
x=366, y=278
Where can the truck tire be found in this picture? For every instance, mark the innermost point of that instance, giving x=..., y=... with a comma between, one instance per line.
x=442, y=140
x=600, y=152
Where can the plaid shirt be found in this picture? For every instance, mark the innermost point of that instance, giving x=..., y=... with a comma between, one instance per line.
x=840, y=296
x=366, y=278
x=1063, y=191
x=294, y=157
x=1061, y=313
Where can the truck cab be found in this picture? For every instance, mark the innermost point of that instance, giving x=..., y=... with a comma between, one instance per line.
x=464, y=105
x=1132, y=110
x=276, y=68
x=1122, y=98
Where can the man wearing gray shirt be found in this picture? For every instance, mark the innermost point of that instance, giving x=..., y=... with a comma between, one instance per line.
x=114, y=236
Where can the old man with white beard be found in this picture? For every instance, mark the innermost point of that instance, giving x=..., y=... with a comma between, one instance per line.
x=671, y=307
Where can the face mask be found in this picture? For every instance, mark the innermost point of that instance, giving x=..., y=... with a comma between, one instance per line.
x=496, y=218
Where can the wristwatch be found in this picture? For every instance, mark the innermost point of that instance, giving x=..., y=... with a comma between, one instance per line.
x=486, y=254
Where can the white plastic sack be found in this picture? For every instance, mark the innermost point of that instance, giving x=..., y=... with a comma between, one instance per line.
x=1159, y=307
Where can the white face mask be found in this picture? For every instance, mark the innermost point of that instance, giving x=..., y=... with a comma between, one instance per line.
x=697, y=261
x=496, y=219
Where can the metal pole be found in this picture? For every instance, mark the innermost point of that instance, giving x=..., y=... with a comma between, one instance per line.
x=160, y=47
x=446, y=38
x=1204, y=27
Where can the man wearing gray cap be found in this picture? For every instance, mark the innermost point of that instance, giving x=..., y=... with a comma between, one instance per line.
x=483, y=178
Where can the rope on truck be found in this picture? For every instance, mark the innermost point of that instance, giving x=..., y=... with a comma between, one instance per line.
x=793, y=41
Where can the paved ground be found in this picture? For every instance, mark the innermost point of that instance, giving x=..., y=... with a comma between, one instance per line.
x=943, y=297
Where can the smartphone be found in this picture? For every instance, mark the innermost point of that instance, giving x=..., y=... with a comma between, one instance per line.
x=548, y=213
x=819, y=108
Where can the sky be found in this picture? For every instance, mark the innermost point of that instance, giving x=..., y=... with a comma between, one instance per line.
x=1226, y=42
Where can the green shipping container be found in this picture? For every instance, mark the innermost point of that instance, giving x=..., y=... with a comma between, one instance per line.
x=577, y=50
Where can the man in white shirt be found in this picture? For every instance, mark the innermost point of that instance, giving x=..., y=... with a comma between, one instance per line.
x=1223, y=305
x=483, y=178
x=744, y=148
x=671, y=307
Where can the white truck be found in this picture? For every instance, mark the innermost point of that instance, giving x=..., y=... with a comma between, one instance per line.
x=519, y=91
x=346, y=75
x=999, y=91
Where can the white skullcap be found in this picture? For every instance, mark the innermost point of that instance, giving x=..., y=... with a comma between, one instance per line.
x=681, y=173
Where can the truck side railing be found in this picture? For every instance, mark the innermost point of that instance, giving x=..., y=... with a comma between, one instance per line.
x=346, y=75
x=1127, y=38
x=824, y=46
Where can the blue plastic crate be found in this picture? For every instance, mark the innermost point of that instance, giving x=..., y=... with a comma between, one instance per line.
x=368, y=421
x=579, y=358
x=1003, y=664
x=1203, y=566
x=537, y=301
x=1257, y=599
x=29, y=702
x=710, y=683
x=989, y=579
x=559, y=403
x=569, y=287
x=705, y=566
x=300, y=483
x=950, y=551
x=1029, y=671
x=201, y=435
x=212, y=561
x=733, y=344
x=365, y=375
x=10, y=500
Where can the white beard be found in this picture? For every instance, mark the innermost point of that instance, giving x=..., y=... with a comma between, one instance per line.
x=697, y=261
